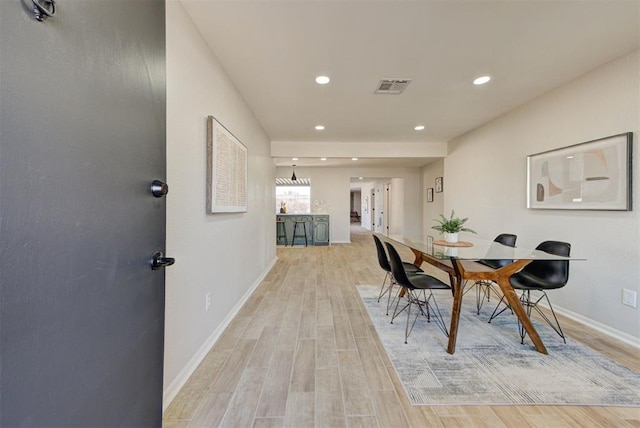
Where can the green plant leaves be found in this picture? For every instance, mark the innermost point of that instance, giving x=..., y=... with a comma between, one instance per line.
x=451, y=225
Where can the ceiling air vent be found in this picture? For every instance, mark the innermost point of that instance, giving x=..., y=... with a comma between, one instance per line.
x=392, y=86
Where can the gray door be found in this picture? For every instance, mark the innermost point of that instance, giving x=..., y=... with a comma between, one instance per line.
x=82, y=136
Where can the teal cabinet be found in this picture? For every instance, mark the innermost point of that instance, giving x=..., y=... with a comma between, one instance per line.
x=321, y=230
x=316, y=225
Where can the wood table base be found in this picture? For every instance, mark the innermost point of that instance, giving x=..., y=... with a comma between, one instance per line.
x=458, y=274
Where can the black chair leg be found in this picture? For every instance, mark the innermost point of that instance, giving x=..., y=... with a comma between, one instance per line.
x=406, y=329
x=526, y=301
x=414, y=299
x=559, y=329
x=395, y=311
x=397, y=294
x=304, y=227
x=439, y=320
x=425, y=308
x=495, y=311
x=295, y=228
x=388, y=290
x=411, y=300
x=293, y=237
x=384, y=290
x=483, y=289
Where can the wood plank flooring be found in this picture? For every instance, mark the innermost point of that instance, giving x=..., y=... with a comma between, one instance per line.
x=303, y=353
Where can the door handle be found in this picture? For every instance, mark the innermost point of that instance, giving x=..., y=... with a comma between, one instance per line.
x=159, y=261
x=159, y=188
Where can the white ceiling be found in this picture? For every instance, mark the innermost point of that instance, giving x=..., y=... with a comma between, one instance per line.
x=273, y=50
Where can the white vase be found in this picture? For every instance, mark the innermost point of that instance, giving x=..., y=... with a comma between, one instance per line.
x=451, y=237
x=451, y=251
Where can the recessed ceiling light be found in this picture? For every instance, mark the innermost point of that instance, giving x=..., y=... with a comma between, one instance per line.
x=354, y=158
x=322, y=80
x=323, y=159
x=481, y=80
x=419, y=127
x=359, y=178
x=294, y=158
x=319, y=127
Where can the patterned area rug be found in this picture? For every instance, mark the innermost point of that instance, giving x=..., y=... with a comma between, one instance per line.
x=491, y=367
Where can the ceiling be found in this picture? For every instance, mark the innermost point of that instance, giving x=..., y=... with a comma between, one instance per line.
x=273, y=50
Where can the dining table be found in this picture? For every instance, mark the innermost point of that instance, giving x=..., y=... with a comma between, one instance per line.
x=459, y=259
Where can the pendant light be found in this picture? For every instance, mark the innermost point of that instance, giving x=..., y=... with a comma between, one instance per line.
x=293, y=176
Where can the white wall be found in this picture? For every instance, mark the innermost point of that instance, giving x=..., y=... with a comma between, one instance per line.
x=396, y=205
x=333, y=185
x=485, y=179
x=221, y=254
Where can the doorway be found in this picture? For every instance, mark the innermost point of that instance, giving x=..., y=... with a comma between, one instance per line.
x=356, y=207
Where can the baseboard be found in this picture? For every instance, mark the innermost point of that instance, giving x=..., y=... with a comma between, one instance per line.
x=602, y=328
x=172, y=390
x=341, y=242
x=595, y=325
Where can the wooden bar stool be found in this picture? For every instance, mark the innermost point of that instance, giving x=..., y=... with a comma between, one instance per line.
x=281, y=231
x=295, y=229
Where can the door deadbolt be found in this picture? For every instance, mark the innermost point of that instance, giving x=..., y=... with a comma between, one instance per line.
x=159, y=188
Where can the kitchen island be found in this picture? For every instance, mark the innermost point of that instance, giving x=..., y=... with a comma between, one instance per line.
x=317, y=226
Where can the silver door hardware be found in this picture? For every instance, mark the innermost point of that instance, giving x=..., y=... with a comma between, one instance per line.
x=159, y=261
x=159, y=188
x=43, y=9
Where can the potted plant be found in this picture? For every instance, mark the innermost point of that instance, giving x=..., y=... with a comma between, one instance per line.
x=450, y=227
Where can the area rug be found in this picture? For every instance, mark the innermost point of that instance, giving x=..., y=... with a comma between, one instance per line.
x=491, y=367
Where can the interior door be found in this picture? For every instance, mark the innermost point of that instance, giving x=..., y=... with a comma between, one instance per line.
x=82, y=136
x=373, y=210
x=387, y=207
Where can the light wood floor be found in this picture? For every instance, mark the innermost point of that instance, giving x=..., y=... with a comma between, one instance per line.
x=302, y=353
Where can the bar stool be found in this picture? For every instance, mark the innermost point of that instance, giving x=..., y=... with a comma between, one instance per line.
x=295, y=228
x=281, y=231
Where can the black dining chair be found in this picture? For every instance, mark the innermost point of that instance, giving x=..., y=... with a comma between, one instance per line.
x=483, y=287
x=416, y=286
x=540, y=276
x=383, y=261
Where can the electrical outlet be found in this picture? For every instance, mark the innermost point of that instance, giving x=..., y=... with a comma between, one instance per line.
x=629, y=298
x=207, y=301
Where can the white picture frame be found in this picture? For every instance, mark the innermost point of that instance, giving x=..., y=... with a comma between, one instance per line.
x=595, y=175
x=226, y=170
x=439, y=185
x=430, y=194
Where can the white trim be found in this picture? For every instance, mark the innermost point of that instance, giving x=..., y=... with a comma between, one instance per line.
x=341, y=242
x=602, y=328
x=172, y=390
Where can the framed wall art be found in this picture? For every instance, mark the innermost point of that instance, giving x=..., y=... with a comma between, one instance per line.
x=430, y=194
x=595, y=175
x=438, y=184
x=226, y=170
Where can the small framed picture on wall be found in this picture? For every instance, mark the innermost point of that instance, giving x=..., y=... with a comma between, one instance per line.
x=438, y=184
x=430, y=194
